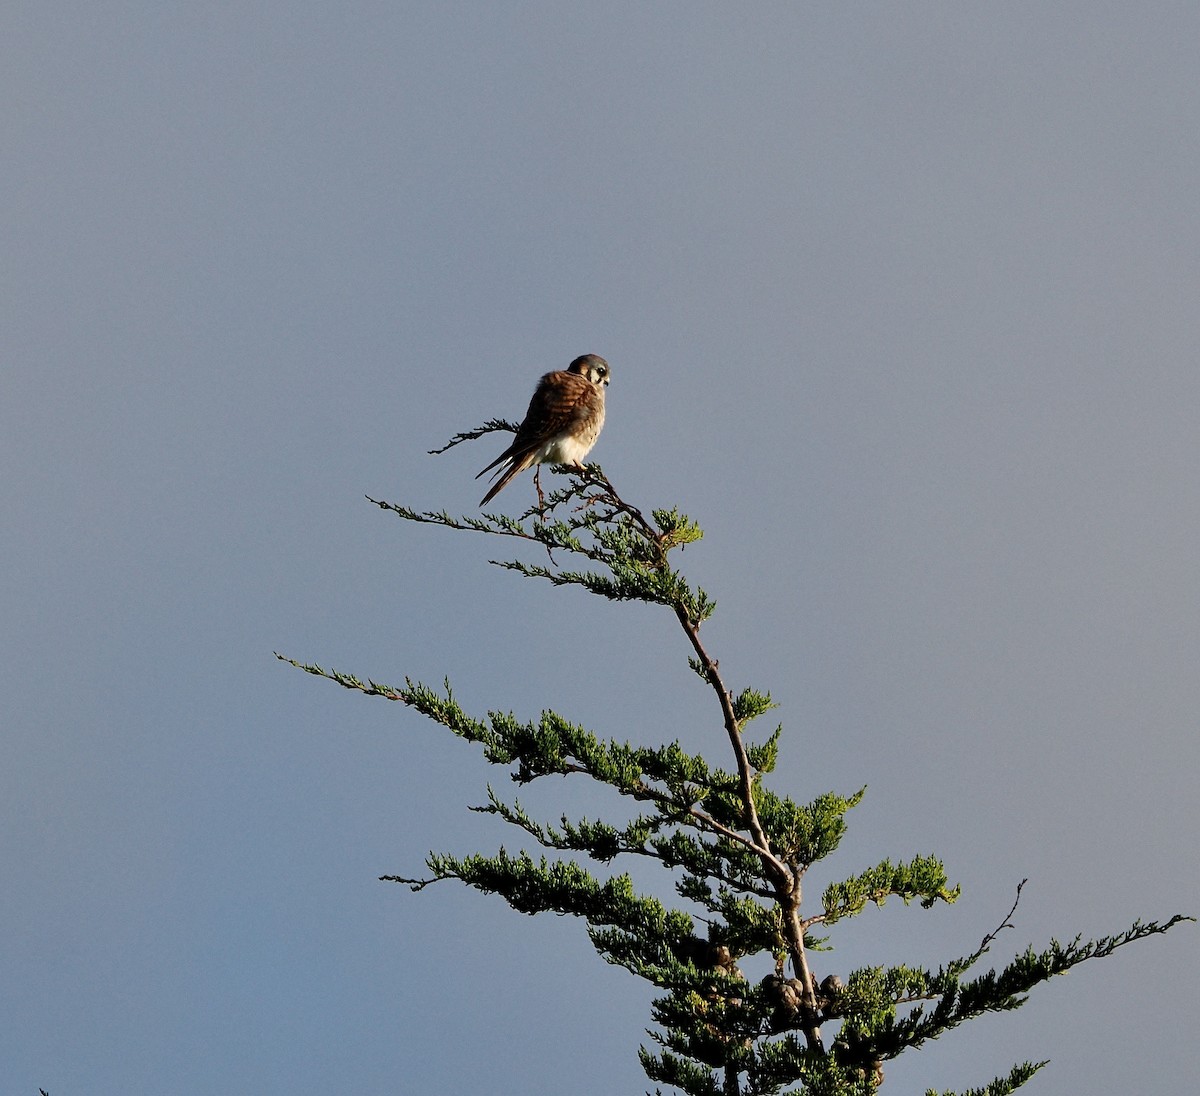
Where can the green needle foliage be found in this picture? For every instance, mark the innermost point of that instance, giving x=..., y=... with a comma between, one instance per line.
x=736, y=851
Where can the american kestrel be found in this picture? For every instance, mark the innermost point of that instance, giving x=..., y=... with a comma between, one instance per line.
x=562, y=424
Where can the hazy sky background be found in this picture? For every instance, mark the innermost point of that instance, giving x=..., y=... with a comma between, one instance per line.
x=901, y=305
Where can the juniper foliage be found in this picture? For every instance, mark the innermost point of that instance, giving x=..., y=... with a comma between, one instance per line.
x=736, y=850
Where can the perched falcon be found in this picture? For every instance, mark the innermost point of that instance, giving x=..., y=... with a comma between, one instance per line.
x=561, y=425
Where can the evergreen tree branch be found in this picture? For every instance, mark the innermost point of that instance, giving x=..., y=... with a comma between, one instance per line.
x=1000, y=991
x=640, y=837
x=1001, y=1086
x=924, y=878
x=672, y=1070
x=546, y=750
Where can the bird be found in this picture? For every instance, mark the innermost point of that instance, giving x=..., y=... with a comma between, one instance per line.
x=562, y=424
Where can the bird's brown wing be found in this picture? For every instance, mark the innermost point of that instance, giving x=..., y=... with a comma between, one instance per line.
x=560, y=399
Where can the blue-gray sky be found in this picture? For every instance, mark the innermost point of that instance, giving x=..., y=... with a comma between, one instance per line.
x=900, y=302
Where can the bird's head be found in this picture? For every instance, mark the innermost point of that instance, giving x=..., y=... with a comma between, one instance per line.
x=592, y=366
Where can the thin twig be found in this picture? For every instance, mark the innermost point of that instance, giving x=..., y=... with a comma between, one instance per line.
x=990, y=938
x=471, y=435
